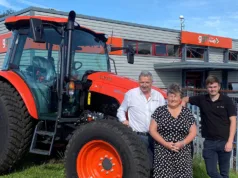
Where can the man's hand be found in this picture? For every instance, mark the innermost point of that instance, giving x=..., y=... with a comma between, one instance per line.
x=184, y=101
x=126, y=122
x=228, y=146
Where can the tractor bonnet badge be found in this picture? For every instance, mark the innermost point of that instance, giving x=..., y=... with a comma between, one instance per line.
x=103, y=77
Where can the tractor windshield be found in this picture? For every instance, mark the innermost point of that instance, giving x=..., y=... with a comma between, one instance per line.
x=89, y=53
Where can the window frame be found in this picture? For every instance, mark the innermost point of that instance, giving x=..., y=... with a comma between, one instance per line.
x=154, y=49
x=230, y=54
x=137, y=47
x=202, y=58
x=233, y=83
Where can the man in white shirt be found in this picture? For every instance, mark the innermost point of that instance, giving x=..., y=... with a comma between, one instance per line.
x=140, y=103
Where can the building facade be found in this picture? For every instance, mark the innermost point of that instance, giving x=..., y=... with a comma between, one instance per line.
x=171, y=55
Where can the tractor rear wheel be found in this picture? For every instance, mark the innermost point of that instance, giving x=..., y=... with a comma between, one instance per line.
x=16, y=128
x=106, y=148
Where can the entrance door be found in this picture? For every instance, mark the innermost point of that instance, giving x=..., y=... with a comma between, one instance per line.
x=194, y=79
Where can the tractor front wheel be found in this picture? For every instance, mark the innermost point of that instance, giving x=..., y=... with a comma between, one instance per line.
x=106, y=148
x=16, y=128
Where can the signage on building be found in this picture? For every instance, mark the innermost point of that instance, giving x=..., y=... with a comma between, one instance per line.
x=5, y=41
x=205, y=40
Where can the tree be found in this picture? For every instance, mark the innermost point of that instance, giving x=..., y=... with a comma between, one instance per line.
x=6, y=13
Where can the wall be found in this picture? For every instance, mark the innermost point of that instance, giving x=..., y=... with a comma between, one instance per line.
x=125, y=31
x=217, y=73
x=216, y=55
x=161, y=79
x=234, y=45
x=233, y=76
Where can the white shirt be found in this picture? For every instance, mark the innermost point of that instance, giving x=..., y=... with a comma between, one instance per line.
x=139, y=108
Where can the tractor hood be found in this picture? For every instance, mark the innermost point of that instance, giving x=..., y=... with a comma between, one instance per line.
x=112, y=80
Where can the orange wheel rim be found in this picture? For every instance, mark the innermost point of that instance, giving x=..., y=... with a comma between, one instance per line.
x=99, y=159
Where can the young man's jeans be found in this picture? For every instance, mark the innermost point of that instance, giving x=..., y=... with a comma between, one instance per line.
x=213, y=153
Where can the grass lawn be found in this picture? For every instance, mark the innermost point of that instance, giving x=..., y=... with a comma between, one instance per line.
x=199, y=170
x=39, y=167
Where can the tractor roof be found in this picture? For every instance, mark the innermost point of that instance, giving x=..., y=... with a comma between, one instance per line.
x=16, y=22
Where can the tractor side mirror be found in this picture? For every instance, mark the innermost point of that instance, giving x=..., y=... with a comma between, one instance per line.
x=37, y=30
x=130, y=54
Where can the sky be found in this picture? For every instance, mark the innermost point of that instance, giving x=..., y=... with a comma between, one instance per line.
x=214, y=17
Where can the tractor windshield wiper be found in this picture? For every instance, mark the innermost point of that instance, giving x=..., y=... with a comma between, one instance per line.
x=58, y=29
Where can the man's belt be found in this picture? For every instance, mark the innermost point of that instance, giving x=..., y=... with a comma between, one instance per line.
x=142, y=133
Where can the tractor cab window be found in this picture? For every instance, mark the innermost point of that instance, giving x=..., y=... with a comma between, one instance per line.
x=88, y=54
x=37, y=64
x=38, y=60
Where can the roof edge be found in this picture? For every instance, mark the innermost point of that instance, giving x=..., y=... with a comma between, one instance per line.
x=17, y=13
x=52, y=11
x=194, y=65
x=33, y=8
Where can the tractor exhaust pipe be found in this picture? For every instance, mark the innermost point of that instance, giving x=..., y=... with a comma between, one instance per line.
x=70, y=29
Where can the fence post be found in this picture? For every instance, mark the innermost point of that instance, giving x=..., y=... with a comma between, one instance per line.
x=236, y=141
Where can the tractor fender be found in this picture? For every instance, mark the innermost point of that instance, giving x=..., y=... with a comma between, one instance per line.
x=22, y=88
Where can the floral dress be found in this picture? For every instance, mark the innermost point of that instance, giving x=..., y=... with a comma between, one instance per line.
x=169, y=164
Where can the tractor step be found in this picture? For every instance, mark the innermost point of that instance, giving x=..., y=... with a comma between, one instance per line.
x=40, y=152
x=68, y=120
x=45, y=133
x=42, y=135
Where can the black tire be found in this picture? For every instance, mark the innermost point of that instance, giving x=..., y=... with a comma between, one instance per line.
x=128, y=145
x=16, y=128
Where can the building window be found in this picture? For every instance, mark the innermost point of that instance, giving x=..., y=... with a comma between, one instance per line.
x=233, y=86
x=144, y=48
x=160, y=50
x=197, y=53
x=233, y=56
x=174, y=50
x=132, y=43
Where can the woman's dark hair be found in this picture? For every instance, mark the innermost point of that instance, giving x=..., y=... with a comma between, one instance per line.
x=174, y=88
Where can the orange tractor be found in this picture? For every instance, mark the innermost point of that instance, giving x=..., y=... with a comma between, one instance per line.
x=56, y=88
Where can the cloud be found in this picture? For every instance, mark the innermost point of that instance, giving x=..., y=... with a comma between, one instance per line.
x=233, y=15
x=214, y=17
x=192, y=3
x=212, y=23
x=6, y=4
x=195, y=18
x=31, y=3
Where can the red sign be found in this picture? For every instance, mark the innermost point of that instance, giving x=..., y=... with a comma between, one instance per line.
x=115, y=42
x=205, y=40
x=4, y=42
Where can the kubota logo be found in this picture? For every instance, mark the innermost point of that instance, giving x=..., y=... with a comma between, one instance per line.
x=209, y=39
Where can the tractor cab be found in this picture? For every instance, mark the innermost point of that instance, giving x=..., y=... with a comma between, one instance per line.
x=52, y=55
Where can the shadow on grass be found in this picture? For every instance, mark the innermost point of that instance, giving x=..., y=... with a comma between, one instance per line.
x=199, y=170
x=32, y=160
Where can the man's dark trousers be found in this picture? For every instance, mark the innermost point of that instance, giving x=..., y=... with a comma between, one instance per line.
x=213, y=153
x=148, y=141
